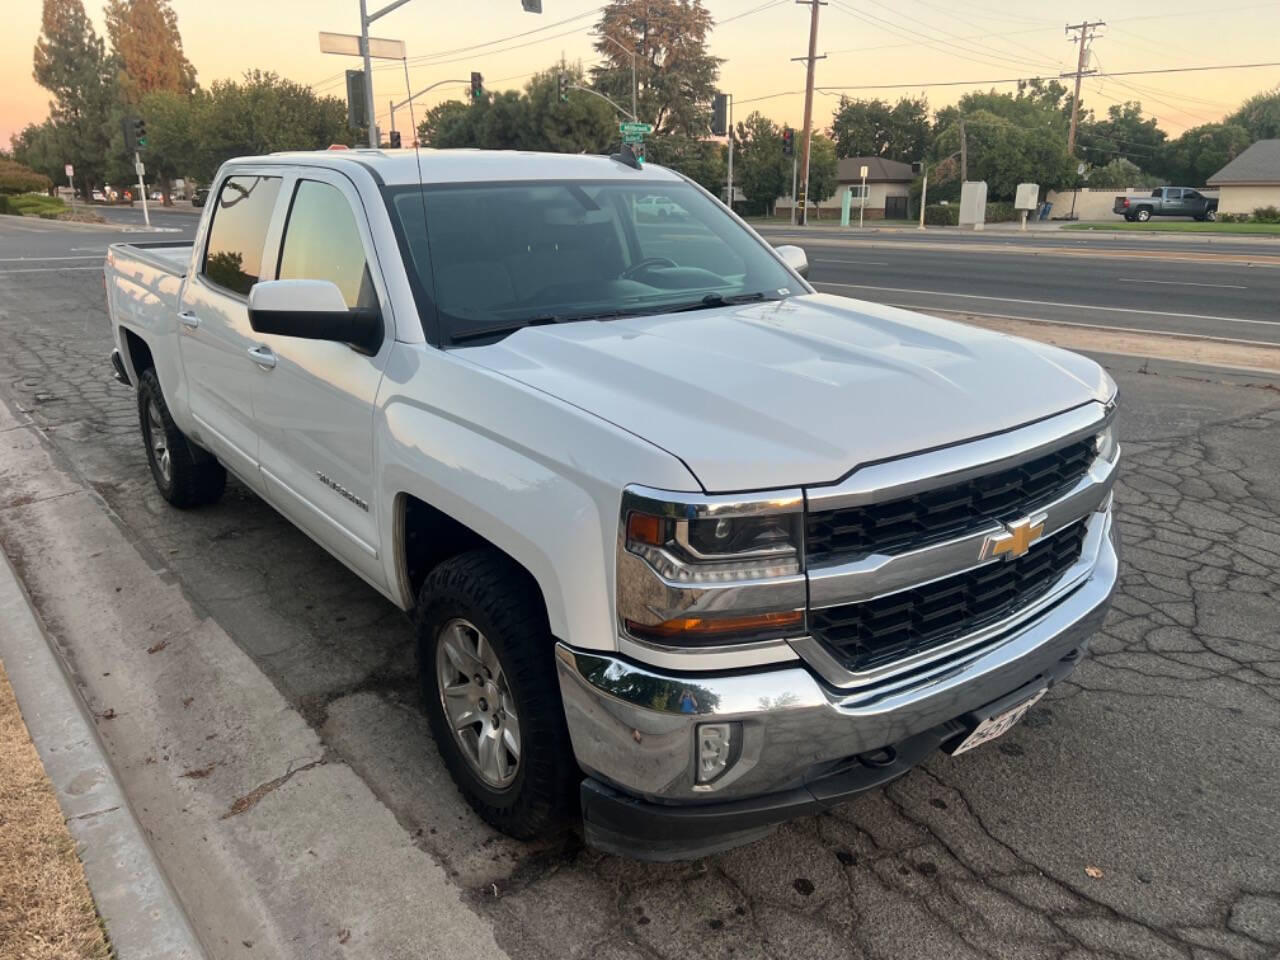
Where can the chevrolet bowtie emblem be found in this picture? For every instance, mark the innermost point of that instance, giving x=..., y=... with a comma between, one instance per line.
x=1016, y=539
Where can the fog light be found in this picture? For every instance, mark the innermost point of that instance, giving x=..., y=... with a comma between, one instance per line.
x=716, y=748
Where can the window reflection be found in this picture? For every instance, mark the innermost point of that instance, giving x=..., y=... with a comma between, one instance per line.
x=233, y=258
x=322, y=242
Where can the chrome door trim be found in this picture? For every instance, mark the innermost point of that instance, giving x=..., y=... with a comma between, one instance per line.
x=879, y=574
x=907, y=476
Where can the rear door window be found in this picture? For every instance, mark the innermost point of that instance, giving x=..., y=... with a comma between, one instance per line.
x=241, y=215
x=322, y=242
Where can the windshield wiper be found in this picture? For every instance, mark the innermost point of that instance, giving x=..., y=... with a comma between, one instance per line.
x=542, y=320
x=718, y=300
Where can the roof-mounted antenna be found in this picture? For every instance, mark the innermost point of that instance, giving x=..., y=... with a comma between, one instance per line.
x=630, y=155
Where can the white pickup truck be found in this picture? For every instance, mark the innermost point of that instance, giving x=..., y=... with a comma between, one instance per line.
x=690, y=548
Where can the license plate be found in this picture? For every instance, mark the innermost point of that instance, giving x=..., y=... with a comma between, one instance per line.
x=998, y=725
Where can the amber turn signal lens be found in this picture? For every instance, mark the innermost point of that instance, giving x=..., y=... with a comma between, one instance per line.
x=719, y=627
x=645, y=528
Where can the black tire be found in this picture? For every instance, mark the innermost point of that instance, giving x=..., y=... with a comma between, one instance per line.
x=1129, y=217
x=190, y=478
x=1144, y=215
x=488, y=590
x=1211, y=215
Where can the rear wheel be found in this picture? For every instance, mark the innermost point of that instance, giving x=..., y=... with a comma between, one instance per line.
x=487, y=667
x=1144, y=215
x=183, y=477
x=1129, y=217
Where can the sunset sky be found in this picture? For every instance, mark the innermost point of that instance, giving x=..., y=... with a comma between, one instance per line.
x=915, y=45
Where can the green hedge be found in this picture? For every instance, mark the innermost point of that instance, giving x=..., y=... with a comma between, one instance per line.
x=948, y=215
x=1266, y=214
x=5, y=207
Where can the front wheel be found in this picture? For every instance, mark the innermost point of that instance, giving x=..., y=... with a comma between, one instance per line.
x=1211, y=215
x=183, y=477
x=486, y=663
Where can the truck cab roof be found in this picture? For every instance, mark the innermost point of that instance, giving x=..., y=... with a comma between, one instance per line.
x=395, y=167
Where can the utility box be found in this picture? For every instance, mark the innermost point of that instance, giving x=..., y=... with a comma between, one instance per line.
x=973, y=204
x=1027, y=197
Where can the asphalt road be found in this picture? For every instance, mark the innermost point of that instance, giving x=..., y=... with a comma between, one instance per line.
x=1156, y=767
x=1166, y=285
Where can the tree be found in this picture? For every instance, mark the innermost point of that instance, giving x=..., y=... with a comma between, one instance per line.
x=71, y=62
x=702, y=161
x=822, y=169
x=534, y=119
x=263, y=113
x=1260, y=115
x=40, y=147
x=1121, y=173
x=872, y=128
x=1201, y=152
x=1124, y=133
x=760, y=168
x=675, y=75
x=144, y=36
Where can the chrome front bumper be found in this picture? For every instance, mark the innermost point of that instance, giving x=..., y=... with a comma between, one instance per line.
x=633, y=727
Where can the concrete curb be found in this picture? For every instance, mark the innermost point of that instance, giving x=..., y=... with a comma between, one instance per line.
x=142, y=916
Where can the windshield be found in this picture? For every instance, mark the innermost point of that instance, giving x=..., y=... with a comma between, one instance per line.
x=492, y=257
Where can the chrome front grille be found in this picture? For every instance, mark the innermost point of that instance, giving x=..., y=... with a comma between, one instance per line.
x=933, y=516
x=901, y=561
x=869, y=634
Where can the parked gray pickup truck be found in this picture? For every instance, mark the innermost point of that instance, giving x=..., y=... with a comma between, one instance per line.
x=1168, y=202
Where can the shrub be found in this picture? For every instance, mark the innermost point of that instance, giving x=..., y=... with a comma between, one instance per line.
x=4, y=205
x=1233, y=217
x=1266, y=214
x=15, y=178
x=1001, y=213
x=938, y=215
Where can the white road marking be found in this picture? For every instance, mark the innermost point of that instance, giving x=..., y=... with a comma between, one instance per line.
x=1184, y=283
x=1049, y=303
x=1100, y=326
x=874, y=263
x=46, y=270
x=37, y=259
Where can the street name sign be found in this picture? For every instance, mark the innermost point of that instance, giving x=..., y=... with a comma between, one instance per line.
x=637, y=128
x=348, y=44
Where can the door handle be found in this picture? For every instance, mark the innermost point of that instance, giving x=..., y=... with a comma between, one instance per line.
x=263, y=357
x=188, y=319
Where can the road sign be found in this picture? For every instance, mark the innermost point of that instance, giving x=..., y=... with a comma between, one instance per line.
x=633, y=137
x=864, y=172
x=140, y=169
x=71, y=171
x=348, y=44
x=628, y=127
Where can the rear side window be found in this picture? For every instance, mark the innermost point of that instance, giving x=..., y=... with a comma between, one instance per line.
x=233, y=256
x=322, y=242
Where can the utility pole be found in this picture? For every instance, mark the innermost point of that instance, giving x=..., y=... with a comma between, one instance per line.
x=808, y=104
x=1087, y=32
x=729, y=196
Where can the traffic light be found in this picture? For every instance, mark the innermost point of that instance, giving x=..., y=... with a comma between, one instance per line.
x=531, y=6
x=562, y=86
x=135, y=133
x=720, y=115
x=477, y=86
x=916, y=168
x=395, y=139
x=788, y=142
x=356, y=118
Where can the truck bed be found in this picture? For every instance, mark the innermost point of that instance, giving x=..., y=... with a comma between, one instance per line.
x=167, y=255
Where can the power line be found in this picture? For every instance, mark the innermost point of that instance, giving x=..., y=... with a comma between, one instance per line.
x=754, y=10
x=916, y=43
x=978, y=83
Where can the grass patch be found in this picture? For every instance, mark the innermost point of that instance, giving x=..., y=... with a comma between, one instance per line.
x=1179, y=226
x=46, y=910
x=37, y=205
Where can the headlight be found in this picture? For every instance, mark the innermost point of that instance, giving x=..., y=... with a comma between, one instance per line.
x=1105, y=442
x=710, y=570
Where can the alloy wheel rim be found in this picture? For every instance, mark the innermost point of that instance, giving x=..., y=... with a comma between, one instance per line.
x=477, y=703
x=159, y=445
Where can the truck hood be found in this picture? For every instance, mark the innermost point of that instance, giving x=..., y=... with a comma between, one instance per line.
x=798, y=391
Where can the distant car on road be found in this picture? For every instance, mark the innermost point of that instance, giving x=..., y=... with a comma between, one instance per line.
x=200, y=196
x=156, y=195
x=1168, y=202
x=656, y=206
x=99, y=197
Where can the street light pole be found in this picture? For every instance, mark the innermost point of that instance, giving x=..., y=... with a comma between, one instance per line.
x=367, y=18
x=632, y=55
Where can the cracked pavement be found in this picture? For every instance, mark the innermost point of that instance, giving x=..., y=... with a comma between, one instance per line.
x=1157, y=765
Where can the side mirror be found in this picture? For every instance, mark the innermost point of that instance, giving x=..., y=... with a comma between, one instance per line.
x=795, y=258
x=312, y=310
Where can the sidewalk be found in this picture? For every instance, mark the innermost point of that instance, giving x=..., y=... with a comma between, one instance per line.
x=138, y=908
